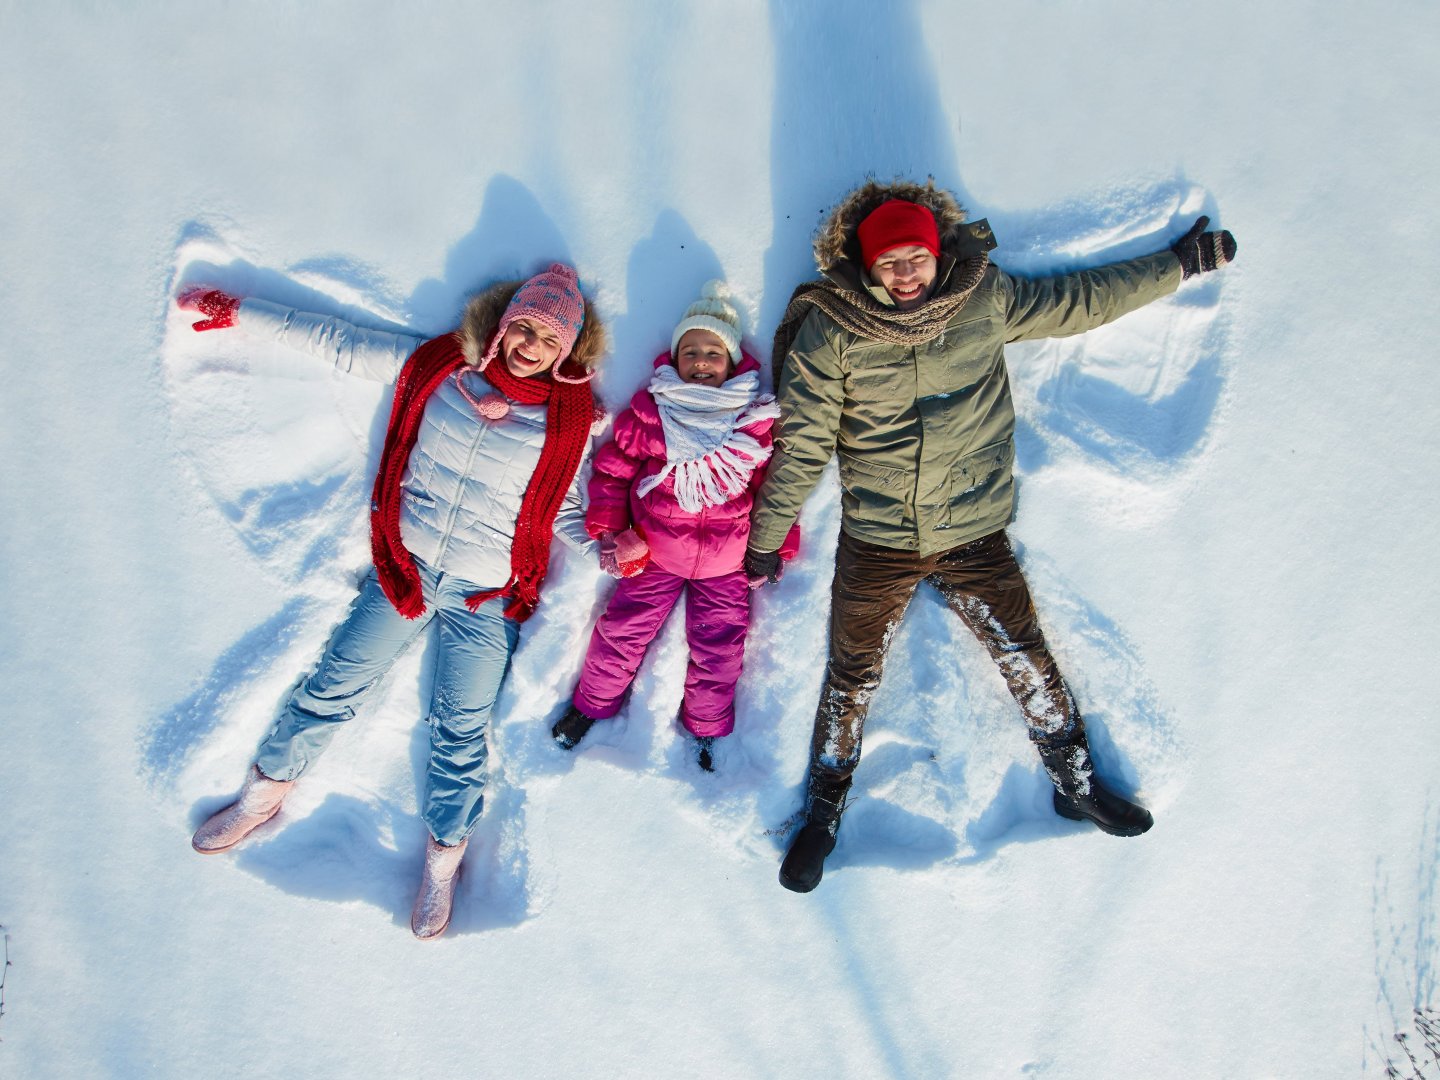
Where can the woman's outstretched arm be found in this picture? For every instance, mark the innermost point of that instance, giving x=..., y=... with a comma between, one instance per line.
x=377, y=355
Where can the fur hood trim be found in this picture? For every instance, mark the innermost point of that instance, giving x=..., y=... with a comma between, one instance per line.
x=836, y=238
x=485, y=309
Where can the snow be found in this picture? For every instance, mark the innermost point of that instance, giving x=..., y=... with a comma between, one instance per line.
x=1227, y=514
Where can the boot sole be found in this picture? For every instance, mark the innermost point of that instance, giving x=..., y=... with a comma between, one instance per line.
x=431, y=937
x=239, y=839
x=1066, y=811
x=798, y=886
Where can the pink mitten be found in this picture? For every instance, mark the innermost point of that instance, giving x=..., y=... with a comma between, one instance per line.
x=632, y=553
x=218, y=305
x=623, y=554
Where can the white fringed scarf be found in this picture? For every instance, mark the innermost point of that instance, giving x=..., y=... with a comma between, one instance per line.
x=712, y=459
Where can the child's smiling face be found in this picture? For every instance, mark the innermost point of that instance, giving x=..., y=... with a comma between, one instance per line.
x=701, y=357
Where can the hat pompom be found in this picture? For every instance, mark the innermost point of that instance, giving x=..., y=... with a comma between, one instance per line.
x=493, y=406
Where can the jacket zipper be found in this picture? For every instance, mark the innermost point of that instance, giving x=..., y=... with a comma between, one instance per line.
x=445, y=536
x=700, y=541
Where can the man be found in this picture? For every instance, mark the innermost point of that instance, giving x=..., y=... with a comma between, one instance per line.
x=895, y=362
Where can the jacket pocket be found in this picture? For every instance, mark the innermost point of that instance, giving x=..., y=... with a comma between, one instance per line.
x=881, y=375
x=964, y=354
x=982, y=490
x=876, y=494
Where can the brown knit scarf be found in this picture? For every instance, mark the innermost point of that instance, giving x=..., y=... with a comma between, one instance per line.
x=862, y=314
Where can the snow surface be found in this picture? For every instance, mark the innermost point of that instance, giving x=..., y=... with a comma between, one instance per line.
x=1228, y=516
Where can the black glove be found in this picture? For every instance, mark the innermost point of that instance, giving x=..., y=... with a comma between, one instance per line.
x=762, y=567
x=1199, y=251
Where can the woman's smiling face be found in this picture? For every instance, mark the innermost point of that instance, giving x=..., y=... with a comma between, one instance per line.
x=529, y=348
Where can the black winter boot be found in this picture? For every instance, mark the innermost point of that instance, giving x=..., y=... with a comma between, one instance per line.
x=705, y=752
x=805, y=861
x=1080, y=796
x=571, y=728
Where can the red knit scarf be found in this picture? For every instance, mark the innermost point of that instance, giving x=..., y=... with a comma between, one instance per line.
x=567, y=426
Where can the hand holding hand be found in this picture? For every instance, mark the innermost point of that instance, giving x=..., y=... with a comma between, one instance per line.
x=1199, y=251
x=623, y=555
x=763, y=567
x=219, y=306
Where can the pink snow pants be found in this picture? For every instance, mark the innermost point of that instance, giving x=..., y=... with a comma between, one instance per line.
x=717, y=615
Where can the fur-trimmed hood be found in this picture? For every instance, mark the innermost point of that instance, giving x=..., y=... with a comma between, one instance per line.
x=485, y=308
x=836, y=239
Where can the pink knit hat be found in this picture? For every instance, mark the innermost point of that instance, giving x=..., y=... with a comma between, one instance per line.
x=553, y=299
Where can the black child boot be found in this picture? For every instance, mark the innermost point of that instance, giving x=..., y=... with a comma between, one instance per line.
x=805, y=861
x=1080, y=796
x=571, y=728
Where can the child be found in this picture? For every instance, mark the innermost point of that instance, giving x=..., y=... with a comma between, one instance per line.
x=670, y=504
x=480, y=466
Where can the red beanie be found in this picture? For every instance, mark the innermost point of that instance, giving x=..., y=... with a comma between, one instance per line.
x=897, y=223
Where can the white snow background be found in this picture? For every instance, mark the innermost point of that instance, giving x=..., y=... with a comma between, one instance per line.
x=1228, y=515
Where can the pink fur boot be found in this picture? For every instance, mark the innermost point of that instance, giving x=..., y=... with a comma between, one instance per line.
x=259, y=801
x=436, y=899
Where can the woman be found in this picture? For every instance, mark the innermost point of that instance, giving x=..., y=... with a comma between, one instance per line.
x=480, y=465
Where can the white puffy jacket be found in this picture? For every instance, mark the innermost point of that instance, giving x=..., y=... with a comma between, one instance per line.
x=466, y=476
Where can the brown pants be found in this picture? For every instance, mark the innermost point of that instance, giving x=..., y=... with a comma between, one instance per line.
x=982, y=583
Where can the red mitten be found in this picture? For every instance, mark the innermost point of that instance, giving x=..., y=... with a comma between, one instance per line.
x=218, y=305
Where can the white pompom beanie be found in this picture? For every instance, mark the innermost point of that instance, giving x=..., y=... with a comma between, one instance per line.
x=713, y=312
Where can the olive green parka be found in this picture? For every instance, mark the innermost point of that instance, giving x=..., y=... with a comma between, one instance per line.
x=925, y=435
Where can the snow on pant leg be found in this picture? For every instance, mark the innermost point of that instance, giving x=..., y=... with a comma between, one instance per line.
x=868, y=597
x=717, y=616
x=637, y=609
x=360, y=651
x=470, y=666
x=983, y=583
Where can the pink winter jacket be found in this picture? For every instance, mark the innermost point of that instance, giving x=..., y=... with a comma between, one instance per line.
x=703, y=545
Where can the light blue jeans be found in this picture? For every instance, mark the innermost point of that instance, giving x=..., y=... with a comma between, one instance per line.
x=470, y=666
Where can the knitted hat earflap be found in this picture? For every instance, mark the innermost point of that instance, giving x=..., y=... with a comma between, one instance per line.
x=568, y=371
x=712, y=312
